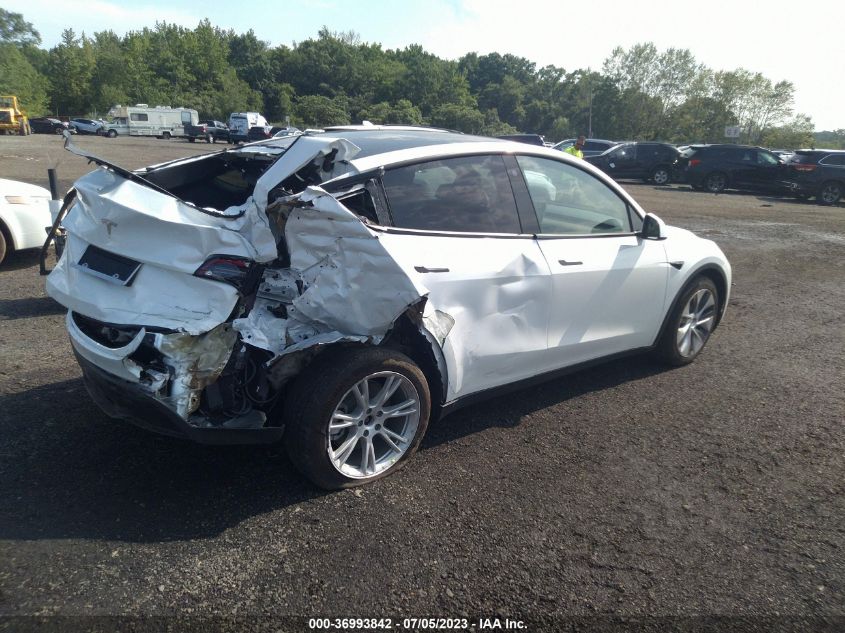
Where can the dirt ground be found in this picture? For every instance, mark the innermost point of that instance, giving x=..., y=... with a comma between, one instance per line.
x=627, y=490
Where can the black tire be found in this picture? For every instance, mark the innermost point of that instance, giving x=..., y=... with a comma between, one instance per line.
x=317, y=392
x=191, y=139
x=829, y=193
x=166, y=136
x=668, y=348
x=4, y=249
x=111, y=133
x=661, y=175
x=58, y=131
x=716, y=182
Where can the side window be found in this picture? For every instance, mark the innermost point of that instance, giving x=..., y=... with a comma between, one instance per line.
x=748, y=156
x=186, y=118
x=138, y=116
x=833, y=159
x=592, y=146
x=764, y=158
x=471, y=194
x=625, y=153
x=568, y=200
x=361, y=203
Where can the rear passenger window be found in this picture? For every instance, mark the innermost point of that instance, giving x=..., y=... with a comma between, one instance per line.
x=471, y=194
x=833, y=159
x=568, y=200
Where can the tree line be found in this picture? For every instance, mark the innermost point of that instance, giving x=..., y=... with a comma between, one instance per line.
x=335, y=78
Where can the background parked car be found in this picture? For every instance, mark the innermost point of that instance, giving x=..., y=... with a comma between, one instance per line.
x=24, y=214
x=531, y=139
x=819, y=173
x=649, y=161
x=87, y=126
x=785, y=154
x=286, y=131
x=46, y=125
x=210, y=131
x=259, y=133
x=718, y=167
x=593, y=146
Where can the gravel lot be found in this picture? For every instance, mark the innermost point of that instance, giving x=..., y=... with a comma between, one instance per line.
x=626, y=490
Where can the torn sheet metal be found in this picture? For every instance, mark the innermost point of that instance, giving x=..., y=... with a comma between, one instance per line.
x=303, y=151
x=351, y=287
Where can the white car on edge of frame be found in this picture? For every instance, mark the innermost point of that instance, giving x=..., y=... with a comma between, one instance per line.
x=338, y=289
x=24, y=216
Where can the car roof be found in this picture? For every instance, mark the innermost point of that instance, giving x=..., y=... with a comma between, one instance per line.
x=382, y=139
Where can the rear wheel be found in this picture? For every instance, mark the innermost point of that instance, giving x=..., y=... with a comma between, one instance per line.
x=660, y=176
x=111, y=133
x=3, y=247
x=716, y=182
x=356, y=416
x=829, y=193
x=691, y=322
x=166, y=136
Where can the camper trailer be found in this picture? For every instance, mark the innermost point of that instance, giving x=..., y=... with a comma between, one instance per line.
x=142, y=120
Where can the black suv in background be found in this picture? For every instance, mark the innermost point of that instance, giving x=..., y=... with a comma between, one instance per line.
x=46, y=125
x=718, y=167
x=649, y=161
x=592, y=146
x=819, y=173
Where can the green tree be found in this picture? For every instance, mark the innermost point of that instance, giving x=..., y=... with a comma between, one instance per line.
x=18, y=77
x=320, y=111
x=15, y=30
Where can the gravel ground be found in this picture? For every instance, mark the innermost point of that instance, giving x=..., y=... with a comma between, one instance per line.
x=627, y=490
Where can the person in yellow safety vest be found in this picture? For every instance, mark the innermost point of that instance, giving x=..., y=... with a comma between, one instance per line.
x=575, y=150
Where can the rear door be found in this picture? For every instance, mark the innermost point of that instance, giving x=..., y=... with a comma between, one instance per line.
x=455, y=222
x=770, y=172
x=608, y=284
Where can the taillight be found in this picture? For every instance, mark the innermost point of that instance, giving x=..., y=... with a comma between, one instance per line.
x=694, y=162
x=226, y=268
x=804, y=166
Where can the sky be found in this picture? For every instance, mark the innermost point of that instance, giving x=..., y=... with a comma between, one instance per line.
x=784, y=39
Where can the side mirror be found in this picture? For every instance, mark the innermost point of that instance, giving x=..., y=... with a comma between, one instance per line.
x=653, y=228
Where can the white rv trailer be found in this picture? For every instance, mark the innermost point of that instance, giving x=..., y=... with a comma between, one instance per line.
x=142, y=120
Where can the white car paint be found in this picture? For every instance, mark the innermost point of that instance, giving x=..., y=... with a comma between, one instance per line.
x=25, y=213
x=500, y=307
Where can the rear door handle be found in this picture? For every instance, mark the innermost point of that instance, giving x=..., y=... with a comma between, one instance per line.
x=563, y=262
x=423, y=269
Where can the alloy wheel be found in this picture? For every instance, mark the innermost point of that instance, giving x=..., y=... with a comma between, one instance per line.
x=373, y=425
x=831, y=193
x=716, y=182
x=697, y=321
x=661, y=177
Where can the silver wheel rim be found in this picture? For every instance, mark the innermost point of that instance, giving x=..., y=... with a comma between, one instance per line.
x=373, y=425
x=697, y=320
x=661, y=176
x=716, y=182
x=830, y=194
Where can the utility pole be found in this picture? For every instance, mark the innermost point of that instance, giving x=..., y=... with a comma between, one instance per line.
x=590, y=126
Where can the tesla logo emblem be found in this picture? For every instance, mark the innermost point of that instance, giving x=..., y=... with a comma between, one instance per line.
x=109, y=225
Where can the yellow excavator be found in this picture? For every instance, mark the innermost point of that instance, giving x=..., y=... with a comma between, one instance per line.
x=12, y=119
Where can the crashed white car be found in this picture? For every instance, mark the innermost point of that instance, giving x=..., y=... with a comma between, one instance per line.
x=338, y=290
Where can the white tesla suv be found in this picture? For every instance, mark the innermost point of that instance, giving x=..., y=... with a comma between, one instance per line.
x=337, y=290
